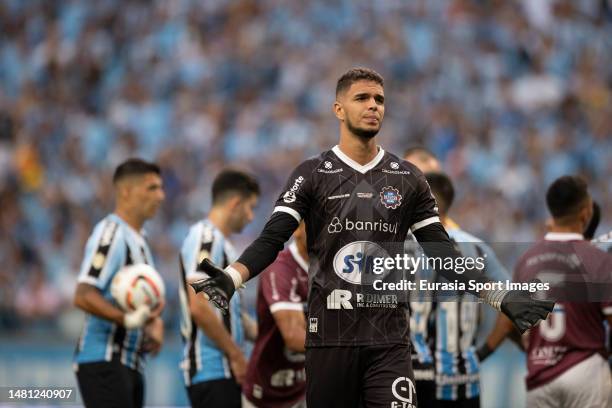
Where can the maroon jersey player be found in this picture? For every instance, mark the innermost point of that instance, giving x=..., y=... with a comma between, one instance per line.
x=276, y=376
x=566, y=354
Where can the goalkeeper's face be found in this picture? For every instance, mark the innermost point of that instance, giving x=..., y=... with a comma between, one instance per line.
x=243, y=213
x=361, y=108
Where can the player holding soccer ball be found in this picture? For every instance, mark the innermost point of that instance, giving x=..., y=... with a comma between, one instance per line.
x=358, y=202
x=109, y=354
x=213, y=363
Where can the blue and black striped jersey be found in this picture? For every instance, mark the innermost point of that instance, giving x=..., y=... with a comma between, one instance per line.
x=202, y=359
x=443, y=326
x=112, y=245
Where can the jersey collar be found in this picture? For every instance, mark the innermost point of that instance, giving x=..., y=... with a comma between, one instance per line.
x=356, y=166
x=296, y=255
x=140, y=235
x=563, y=236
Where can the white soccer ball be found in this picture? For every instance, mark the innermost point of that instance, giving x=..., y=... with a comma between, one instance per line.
x=136, y=285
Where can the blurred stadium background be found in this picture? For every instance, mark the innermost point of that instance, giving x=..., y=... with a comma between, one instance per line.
x=509, y=94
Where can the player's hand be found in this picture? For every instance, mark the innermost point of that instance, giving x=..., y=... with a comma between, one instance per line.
x=218, y=288
x=154, y=336
x=136, y=318
x=523, y=310
x=238, y=365
x=157, y=310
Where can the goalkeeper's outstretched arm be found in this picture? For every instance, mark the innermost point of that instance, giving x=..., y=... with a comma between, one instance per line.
x=261, y=253
x=524, y=311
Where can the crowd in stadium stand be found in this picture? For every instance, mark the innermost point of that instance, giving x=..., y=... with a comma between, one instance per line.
x=509, y=94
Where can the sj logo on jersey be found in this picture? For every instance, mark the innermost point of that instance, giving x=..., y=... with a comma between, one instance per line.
x=390, y=197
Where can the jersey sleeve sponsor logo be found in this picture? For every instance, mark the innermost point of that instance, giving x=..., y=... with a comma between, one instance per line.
x=289, y=196
x=99, y=258
x=354, y=262
x=390, y=197
x=204, y=254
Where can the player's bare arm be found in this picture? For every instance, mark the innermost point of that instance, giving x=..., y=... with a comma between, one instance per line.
x=250, y=327
x=520, y=307
x=221, y=284
x=154, y=335
x=292, y=326
x=503, y=328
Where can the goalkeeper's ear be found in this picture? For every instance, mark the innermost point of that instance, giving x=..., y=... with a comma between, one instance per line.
x=589, y=231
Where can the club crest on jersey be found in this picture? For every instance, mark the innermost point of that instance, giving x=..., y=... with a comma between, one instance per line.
x=390, y=197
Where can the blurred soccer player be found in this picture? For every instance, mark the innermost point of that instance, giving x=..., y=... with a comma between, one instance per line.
x=423, y=158
x=427, y=162
x=213, y=363
x=276, y=377
x=357, y=201
x=565, y=361
x=109, y=354
x=443, y=331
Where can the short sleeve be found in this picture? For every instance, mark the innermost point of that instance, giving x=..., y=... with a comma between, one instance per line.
x=105, y=253
x=425, y=211
x=196, y=247
x=279, y=286
x=295, y=197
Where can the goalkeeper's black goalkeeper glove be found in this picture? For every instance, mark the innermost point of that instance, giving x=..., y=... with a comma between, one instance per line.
x=520, y=307
x=525, y=311
x=219, y=287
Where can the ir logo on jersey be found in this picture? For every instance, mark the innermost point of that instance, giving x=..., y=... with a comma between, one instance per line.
x=390, y=197
x=339, y=299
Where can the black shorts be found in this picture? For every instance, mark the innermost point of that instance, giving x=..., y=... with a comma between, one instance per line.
x=110, y=384
x=426, y=391
x=366, y=376
x=224, y=393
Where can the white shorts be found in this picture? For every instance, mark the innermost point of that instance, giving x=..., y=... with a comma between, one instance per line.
x=248, y=404
x=588, y=384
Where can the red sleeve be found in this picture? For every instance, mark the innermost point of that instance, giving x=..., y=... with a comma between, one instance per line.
x=279, y=285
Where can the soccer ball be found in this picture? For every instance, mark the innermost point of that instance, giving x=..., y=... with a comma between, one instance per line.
x=136, y=285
